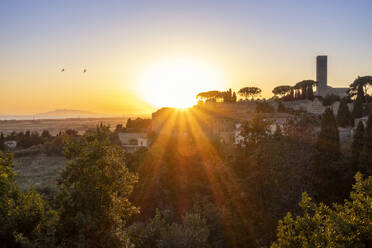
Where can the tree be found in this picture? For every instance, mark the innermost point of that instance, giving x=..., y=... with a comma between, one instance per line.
x=326, y=156
x=344, y=117
x=234, y=98
x=366, y=154
x=94, y=189
x=305, y=88
x=160, y=231
x=328, y=141
x=328, y=100
x=282, y=90
x=358, y=110
x=208, y=96
x=360, y=86
x=226, y=96
x=46, y=135
x=255, y=131
x=249, y=92
x=358, y=143
x=342, y=225
x=23, y=216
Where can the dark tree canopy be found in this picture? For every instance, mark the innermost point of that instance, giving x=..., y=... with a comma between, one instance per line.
x=360, y=83
x=249, y=92
x=214, y=95
x=328, y=139
x=358, y=103
x=366, y=154
x=208, y=95
x=344, y=118
x=358, y=143
x=304, y=89
x=282, y=90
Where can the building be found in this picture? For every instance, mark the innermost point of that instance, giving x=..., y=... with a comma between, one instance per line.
x=11, y=144
x=321, y=75
x=133, y=141
x=322, y=88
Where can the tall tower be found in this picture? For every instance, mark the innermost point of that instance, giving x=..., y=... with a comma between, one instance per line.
x=321, y=75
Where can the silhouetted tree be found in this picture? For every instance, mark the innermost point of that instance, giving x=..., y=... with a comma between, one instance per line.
x=360, y=86
x=330, y=99
x=366, y=155
x=358, y=144
x=358, y=103
x=251, y=92
x=344, y=117
x=327, y=154
x=282, y=90
x=328, y=140
x=305, y=89
x=209, y=96
x=46, y=134
x=234, y=98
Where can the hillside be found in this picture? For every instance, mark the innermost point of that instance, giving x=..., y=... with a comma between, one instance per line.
x=69, y=112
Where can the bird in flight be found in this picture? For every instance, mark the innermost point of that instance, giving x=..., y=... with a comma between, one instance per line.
x=63, y=69
x=85, y=70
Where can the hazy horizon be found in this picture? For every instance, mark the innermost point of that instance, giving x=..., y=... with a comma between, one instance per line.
x=139, y=55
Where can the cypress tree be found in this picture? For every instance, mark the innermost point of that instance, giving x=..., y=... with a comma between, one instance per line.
x=328, y=141
x=357, y=145
x=344, y=117
x=234, y=97
x=358, y=103
x=326, y=155
x=366, y=154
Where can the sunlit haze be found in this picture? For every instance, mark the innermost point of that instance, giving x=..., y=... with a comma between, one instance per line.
x=175, y=82
x=142, y=55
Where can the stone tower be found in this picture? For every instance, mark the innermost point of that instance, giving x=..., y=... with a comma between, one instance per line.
x=321, y=75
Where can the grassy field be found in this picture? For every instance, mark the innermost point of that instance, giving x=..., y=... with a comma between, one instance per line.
x=38, y=171
x=56, y=125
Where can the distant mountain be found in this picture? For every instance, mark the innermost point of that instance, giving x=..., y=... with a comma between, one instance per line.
x=69, y=113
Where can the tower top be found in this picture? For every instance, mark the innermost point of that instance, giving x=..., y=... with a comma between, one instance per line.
x=321, y=74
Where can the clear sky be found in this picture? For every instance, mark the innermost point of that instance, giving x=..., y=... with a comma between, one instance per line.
x=262, y=43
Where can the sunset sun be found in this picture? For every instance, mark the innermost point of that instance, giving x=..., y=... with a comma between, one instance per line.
x=176, y=82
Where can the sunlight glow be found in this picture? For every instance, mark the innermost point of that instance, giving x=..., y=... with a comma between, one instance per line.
x=176, y=82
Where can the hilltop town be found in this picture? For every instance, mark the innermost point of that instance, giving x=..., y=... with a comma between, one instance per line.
x=222, y=115
x=224, y=173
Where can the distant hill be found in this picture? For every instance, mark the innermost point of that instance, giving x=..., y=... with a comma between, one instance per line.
x=69, y=112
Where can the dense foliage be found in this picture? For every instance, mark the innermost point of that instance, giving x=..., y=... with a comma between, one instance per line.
x=196, y=191
x=340, y=225
x=25, y=218
x=93, y=199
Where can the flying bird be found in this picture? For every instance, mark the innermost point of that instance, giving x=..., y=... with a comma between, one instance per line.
x=85, y=70
x=63, y=69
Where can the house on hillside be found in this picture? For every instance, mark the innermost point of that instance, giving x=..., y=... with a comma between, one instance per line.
x=133, y=141
x=11, y=144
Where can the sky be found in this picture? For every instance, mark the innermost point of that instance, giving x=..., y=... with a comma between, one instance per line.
x=232, y=43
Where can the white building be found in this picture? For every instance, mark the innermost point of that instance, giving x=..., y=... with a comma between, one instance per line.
x=133, y=141
x=11, y=144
